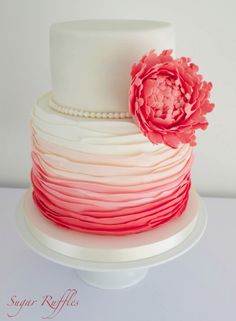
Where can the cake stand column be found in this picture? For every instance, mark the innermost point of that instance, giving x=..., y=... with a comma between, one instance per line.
x=114, y=279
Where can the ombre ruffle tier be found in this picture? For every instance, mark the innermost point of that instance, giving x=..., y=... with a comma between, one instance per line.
x=131, y=187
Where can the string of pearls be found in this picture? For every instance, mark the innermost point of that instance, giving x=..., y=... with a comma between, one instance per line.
x=87, y=114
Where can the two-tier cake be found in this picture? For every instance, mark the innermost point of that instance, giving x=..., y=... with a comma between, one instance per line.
x=112, y=142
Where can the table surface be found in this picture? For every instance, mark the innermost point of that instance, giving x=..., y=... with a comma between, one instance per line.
x=200, y=285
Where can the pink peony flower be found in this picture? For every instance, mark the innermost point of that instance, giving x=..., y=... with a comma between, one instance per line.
x=168, y=98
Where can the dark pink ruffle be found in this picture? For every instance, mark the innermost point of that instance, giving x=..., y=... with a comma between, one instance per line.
x=91, y=216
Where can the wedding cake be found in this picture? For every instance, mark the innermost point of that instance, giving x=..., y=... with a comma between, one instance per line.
x=112, y=143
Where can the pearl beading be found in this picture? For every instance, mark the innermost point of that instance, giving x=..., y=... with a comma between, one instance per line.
x=87, y=114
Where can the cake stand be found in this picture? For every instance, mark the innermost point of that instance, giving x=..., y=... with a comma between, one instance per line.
x=111, y=262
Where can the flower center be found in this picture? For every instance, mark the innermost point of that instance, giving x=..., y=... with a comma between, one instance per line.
x=163, y=97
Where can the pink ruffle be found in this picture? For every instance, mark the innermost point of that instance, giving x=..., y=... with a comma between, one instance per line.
x=82, y=214
x=108, y=203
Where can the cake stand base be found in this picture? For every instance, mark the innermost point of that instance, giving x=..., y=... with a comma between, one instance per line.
x=111, y=262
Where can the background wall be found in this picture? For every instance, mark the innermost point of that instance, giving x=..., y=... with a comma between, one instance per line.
x=205, y=31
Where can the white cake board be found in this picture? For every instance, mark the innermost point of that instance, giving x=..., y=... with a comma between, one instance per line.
x=120, y=271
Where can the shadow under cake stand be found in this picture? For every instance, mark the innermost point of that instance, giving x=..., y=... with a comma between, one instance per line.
x=111, y=262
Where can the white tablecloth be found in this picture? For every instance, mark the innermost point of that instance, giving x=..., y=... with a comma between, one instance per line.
x=198, y=286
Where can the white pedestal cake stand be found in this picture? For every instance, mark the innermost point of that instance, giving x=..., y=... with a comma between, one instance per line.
x=111, y=262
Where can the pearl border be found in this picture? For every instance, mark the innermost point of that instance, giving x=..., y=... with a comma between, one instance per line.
x=86, y=114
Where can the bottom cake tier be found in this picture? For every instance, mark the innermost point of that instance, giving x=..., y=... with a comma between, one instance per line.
x=103, y=176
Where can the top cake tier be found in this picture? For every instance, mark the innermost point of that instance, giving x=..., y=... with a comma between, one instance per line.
x=91, y=60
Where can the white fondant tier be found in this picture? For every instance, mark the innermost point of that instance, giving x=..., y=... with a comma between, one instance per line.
x=91, y=60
